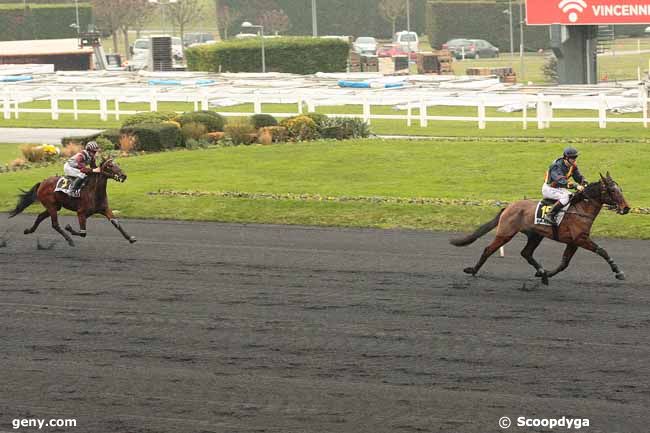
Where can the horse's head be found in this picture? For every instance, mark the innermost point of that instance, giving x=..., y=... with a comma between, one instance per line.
x=612, y=194
x=110, y=169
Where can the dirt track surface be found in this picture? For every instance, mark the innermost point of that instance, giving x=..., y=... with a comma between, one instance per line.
x=203, y=327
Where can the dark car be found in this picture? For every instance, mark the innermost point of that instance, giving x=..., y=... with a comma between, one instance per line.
x=471, y=48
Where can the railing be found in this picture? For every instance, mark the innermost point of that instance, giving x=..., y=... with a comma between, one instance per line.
x=544, y=106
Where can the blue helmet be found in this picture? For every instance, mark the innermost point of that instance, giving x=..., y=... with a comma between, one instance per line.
x=570, y=152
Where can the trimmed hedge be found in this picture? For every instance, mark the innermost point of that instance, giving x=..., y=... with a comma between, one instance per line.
x=213, y=121
x=155, y=136
x=288, y=54
x=149, y=117
x=41, y=21
x=263, y=120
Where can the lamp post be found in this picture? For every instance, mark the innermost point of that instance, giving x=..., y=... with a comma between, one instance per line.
x=248, y=25
x=509, y=13
x=314, y=20
x=162, y=11
x=521, y=38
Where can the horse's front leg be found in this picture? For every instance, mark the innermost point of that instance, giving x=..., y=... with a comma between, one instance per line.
x=569, y=251
x=590, y=245
x=57, y=227
x=82, y=217
x=108, y=213
x=534, y=240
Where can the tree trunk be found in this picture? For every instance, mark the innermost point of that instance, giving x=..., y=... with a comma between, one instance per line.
x=216, y=20
x=114, y=37
x=125, y=35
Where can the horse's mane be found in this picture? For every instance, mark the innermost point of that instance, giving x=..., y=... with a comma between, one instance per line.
x=591, y=191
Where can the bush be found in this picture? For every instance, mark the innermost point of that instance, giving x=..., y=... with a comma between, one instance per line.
x=105, y=144
x=128, y=143
x=213, y=121
x=193, y=131
x=113, y=135
x=300, y=128
x=549, y=69
x=341, y=128
x=240, y=132
x=149, y=117
x=263, y=120
x=279, y=134
x=318, y=118
x=71, y=149
x=154, y=136
x=33, y=152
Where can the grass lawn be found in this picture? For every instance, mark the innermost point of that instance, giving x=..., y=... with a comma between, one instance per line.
x=479, y=171
x=9, y=152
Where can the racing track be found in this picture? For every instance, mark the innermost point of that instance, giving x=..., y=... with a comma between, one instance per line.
x=203, y=327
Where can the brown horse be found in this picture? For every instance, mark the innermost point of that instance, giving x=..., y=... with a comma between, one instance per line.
x=92, y=200
x=519, y=217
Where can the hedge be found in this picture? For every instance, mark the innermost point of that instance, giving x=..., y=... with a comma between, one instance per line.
x=41, y=21
x=287, y=54
x=155, y=136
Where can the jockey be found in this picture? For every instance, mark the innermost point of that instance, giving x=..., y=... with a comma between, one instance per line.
x=557, y=181
x=81, y=164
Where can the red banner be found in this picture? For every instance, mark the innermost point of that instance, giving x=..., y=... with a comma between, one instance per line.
x=587, y=12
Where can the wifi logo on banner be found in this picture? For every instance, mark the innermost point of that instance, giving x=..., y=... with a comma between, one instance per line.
x=573, y=8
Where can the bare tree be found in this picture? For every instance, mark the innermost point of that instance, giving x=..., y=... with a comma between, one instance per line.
x=117, y=16
x=217, y=8
x=185, y=12
x=226, y=18
x=390, y=10
x=274, y=21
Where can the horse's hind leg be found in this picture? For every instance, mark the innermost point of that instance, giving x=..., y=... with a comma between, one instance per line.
x=39, y=219
x=590, y=245
x=57, y=227
x=534, y=240
x=81, y=216
x=569, y=251
x=497, y=243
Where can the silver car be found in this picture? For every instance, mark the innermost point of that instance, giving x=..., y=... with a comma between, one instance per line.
x=365, y=45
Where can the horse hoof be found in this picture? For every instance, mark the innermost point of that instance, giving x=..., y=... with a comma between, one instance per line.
x=469, y=271
x=27, y=231
x=539, y=273
x=545, y=279
x=71, y=243
x=132, y=239
x=620, y=276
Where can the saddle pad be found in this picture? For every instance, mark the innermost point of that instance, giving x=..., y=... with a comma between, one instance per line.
x=63, y=185
x=543, y=208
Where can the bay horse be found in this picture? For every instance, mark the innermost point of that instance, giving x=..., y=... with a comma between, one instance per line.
x=519, y=217
x=92, y=200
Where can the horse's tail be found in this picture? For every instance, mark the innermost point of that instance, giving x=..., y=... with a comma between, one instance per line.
x=25, y=200
x=485, y=228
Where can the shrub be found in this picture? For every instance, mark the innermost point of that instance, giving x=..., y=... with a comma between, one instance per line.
x=193, y=131
x=149, y=117
x=300, y=128
x=318, y=118
x=549, y=69
x=155, y=136
x=262, y=120
x=240, y=132
x=213, y=137
x=264, y=136
x=71, y=149
x=128, y=142
x=105, y=144
x=17, y=163
x=341, y=128
x=279, y=134
x=113, y=135
x=213, y=121
x=32, y=152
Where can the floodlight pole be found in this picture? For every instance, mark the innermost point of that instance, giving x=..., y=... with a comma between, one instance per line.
x=314, y=19
x=521, y=38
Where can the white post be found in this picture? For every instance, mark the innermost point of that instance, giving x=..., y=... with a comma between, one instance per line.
x=409, y=114
x=481, y=113
x=117, y=108
x=6, y=103
x=541, y=111
x=196, y=104
x=311, y=106
x=644, y=103
x=423, y=113
x=16, y=111
x=366, y=110
x=602, y=111
x=300, y=103
x=549, y=113
x=257, y=104
x=153, y=100
x=75, y=104
x=54, y=105
x=524, y=111
x=103, y=107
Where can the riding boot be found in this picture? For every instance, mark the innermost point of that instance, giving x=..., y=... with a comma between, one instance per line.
x=552, y=215
x=77, y=185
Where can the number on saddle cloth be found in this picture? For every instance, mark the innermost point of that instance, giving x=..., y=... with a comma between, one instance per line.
x=544, y=207
x=64, y=184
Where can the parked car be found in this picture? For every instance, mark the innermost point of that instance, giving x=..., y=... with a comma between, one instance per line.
x=140, y=53
x=190, y=39
x=470, y=48
x=392, y=50
x=365, y=45
x=408, y=41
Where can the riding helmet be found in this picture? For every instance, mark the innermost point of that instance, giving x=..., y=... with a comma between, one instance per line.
x=92, y=146
x=570, y=152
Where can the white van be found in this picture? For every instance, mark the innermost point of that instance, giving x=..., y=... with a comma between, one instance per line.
x=140, y=52
x=407, y=41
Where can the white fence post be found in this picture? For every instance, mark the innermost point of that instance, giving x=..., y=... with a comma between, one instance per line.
x=366, y=110
x=54, y=104
x=541, y=111
x=153, y=100
x=524, y=118
x=409, y=113
x=644, y=103
x=6, y=103
x=311, y=106
x=117, y=108
x=103, y=107
x=602, y=111
x=75, y=104
x=16, y=109
x=257, y=104
x=205, y=100
x=300, y=103
x=423, y=113
x=481, y=113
